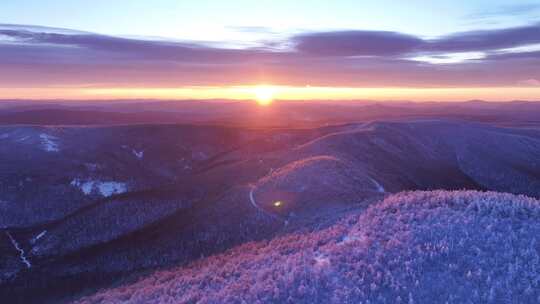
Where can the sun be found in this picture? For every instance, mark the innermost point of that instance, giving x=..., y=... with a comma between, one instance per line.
x=264, y=94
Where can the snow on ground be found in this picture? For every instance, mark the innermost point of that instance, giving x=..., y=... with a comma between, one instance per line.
x=138, y=154
x=17, y=247
x=24, y=138
x=86, y=187
x=49, y=142
x=38, y=237
x=104, y=188
x=110, y=188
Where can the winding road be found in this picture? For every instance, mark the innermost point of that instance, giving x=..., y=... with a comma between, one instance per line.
x=379, y=187
x=260, y=209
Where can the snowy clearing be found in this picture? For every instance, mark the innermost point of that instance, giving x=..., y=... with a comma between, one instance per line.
x=48, y=142
x=105, y=189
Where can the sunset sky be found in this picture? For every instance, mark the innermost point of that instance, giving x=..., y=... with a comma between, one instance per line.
x=382, y=50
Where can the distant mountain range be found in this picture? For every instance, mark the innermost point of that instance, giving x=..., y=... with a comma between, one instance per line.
x=249, y=114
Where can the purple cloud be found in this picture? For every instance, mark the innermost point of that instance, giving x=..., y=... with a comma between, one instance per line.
x=486, y=40
x=356, y=43
x=333, y=44
x=520, y=55
x=373, y=43
x=131, y=48
x=36, y=56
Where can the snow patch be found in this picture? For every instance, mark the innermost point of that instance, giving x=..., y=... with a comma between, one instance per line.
x=110, y=188
x=105, y=189
x=38, y=237
x=48, y=142
x=138, y=154
x=348, y=238
x=86, y=187
x=17, y=247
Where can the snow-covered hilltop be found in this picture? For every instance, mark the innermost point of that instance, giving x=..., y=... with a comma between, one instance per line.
x=414, y=247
